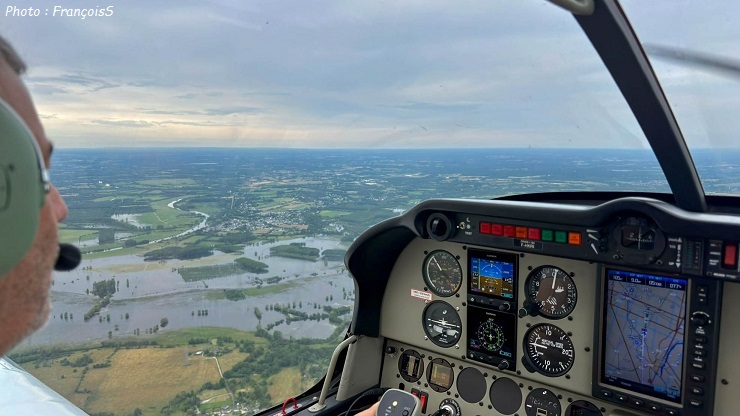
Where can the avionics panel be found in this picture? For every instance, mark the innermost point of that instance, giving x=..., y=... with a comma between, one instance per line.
x=492, y=274
x=644, y=333
x=492, y=295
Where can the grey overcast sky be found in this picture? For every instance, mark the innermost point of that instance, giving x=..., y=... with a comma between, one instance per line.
x=377, y=74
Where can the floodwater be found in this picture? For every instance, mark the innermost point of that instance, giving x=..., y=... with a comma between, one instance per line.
x=150, y=291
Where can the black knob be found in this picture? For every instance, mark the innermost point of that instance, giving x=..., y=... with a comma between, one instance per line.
x=529, y=308
x=505, y=306
x=503, y=365
x=700, y=319
x=390, y=350
x=438, y=227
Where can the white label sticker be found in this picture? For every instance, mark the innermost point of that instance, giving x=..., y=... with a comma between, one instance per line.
x=420, y=294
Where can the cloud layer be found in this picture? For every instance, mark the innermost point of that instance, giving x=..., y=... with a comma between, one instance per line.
x=358, y=74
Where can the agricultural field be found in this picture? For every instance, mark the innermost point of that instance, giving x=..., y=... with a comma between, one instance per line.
x=119, y=378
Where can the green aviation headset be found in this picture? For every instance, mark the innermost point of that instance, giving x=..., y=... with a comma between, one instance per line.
x=24, y=182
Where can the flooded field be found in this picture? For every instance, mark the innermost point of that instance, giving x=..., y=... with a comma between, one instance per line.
x=150, y=291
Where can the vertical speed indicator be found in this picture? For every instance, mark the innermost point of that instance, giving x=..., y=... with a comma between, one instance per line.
x=548, y=350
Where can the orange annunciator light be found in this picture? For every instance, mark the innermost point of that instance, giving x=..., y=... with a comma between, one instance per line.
x=574, y=238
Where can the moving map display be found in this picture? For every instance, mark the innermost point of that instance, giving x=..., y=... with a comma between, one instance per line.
x=644, y=330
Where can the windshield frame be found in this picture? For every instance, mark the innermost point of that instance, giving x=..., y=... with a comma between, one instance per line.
x=614, y=39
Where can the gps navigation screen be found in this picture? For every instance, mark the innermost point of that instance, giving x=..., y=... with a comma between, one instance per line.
x=644, y=328
x=492, y=274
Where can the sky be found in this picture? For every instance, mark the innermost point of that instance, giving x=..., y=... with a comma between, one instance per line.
x=357, y=74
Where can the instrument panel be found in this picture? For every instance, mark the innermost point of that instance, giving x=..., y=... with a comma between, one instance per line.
x=508, y=316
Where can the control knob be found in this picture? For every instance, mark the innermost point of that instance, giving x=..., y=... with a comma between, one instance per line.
x=699, y=318
x=529, y=308
x=503, y=365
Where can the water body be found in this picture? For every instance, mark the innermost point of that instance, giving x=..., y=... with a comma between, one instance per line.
x=156, y=291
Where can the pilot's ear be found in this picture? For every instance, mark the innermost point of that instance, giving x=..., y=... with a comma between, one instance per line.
x=23, y=185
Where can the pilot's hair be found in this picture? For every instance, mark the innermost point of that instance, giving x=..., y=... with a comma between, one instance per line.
x=11, y=57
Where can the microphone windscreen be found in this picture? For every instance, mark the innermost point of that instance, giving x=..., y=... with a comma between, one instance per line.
x=69, y=258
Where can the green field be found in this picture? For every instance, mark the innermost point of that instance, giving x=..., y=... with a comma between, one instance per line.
x=259, y=291
x=73, y=236
x=169, y=182
x=192, y=274
x=151, y=378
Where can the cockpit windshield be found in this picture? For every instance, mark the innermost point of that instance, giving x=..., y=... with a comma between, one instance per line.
x=345, y=75
x=694, y=51
x=219, y=157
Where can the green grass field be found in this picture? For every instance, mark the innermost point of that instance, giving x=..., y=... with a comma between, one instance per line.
x=168, y=182
x=255, y=291
x=73, y=236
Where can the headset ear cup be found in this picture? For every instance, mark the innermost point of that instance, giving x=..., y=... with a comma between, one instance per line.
x=22, y=188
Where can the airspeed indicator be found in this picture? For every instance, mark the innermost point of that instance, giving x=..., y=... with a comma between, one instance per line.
x=442, y=273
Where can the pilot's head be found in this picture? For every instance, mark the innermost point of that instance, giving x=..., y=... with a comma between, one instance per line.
x=25, y=278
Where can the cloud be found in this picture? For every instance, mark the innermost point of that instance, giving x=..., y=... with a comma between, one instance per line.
x=426, y=107
x=427, y=73
x=125, y=123
x=225, y=111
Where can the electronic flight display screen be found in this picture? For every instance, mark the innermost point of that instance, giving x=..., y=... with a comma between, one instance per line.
x=491, y=336
x=644, y=329
x=492, y=274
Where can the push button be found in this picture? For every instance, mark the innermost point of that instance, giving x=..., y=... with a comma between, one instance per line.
x=637, y=403
x=697, y=391
x=623, y=398
x=696, y=403
x=671, y=412
x=698, y=366
x=606, y=394
x=654, y=407
x=698, y=378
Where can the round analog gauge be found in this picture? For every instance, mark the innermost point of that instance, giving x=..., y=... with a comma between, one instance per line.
x=491, y=336
x=442, y=324
x=552, y=291
x=548, y=350
x=442, y=273
x=542, y=402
